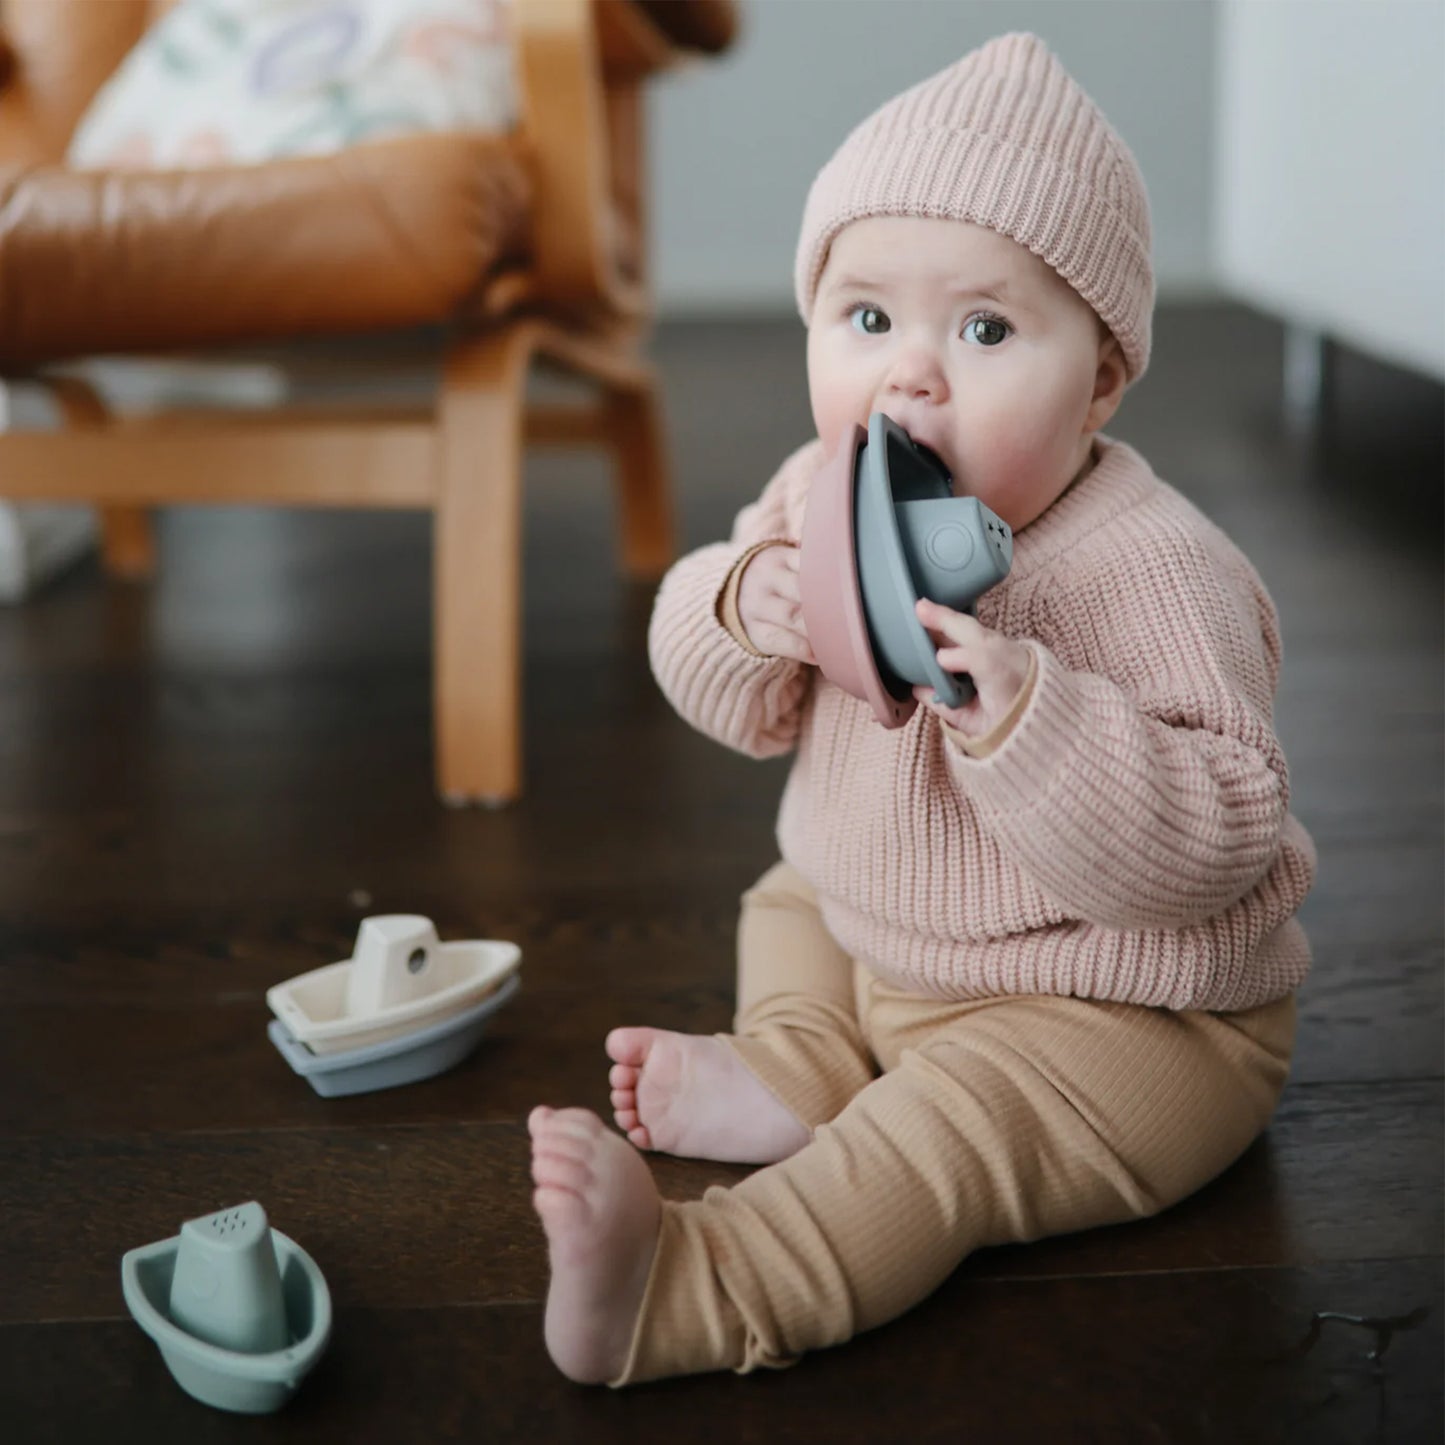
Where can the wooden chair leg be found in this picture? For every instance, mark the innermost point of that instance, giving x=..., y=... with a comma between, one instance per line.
x=128, y=543
x=477, y=552
x=644, y=493
x=127, y=547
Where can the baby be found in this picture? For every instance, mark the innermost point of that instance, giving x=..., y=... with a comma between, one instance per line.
x=1028, y=965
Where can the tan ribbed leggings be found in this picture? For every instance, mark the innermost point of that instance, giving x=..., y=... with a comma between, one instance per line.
x=993, y=1120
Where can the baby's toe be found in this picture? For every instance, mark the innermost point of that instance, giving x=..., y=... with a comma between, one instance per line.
x=581, y=1125
x=561, y=1171
x=560, y=1210
x=629, y=1046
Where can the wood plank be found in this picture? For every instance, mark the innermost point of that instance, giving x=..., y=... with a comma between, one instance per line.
x=207, y=781
x=1186, y=1358
x=441, y=1171
x=1355, y=985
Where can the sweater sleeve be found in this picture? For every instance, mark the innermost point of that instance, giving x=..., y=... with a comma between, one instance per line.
x=1150, y=790
x=746, y=701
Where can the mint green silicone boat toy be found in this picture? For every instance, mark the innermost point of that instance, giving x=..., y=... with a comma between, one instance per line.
x=239, y=1311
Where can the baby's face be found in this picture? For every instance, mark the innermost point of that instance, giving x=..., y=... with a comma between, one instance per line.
x=971, y=344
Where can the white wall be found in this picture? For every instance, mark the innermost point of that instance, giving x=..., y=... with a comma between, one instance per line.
x=736, y=142
x=1330, y=184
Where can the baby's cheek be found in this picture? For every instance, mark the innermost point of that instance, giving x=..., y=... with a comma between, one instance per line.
x=1021, y=470
x=1013, y=457
x=1031, y=440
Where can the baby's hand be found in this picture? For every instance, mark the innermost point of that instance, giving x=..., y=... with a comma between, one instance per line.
x=770, y=605
x=998, y=665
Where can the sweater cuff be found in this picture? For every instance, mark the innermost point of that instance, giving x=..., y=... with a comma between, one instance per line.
x=707, y=675
x=727, y=604
x=997, y=735
x=1045, y=747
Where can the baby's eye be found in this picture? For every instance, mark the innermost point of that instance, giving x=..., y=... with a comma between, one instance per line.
x=986, y=330
x=870, y=320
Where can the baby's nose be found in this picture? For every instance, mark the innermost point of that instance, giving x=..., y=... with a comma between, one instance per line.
x=916, y=373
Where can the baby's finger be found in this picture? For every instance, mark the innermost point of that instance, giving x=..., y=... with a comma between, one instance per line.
x=800, y=649
x=957, y=659
x=956, y=626
x=785, y=612
x=786, y=584
x=926, y=694
x=779, y=641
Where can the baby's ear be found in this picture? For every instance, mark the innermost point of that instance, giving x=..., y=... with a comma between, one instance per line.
x=1111, y=377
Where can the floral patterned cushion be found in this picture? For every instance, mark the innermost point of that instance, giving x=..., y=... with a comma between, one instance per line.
x=235, y=82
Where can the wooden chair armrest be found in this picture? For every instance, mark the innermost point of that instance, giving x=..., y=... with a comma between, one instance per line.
x=703, y=25
x=570, y=55
x=60, y=52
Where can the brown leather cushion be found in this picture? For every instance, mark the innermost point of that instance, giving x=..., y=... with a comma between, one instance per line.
x=394, y=233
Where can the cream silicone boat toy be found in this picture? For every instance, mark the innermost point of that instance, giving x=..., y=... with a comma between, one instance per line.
x=403, y=1007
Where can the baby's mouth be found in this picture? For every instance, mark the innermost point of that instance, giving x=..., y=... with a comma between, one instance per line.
x=933, y=458
x=931, y=455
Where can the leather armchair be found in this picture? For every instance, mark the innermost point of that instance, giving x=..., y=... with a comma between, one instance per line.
x=506, y=248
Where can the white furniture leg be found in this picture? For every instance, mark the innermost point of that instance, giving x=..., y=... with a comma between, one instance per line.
x=1308, y=357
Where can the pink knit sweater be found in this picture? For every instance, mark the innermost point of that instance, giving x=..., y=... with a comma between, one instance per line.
x=1130, y=840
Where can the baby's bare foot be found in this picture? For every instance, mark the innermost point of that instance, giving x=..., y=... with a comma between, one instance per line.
x=601, y=1211
x=690, y=1094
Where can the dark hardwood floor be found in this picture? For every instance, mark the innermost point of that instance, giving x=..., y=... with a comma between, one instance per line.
x=205, y=783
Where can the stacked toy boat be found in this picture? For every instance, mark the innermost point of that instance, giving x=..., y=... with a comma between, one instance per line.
x=405, y=1006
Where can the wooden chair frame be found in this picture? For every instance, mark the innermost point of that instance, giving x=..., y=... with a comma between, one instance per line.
x=581, y=68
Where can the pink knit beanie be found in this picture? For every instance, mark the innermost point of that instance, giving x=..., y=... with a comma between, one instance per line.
x=1004, y=138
